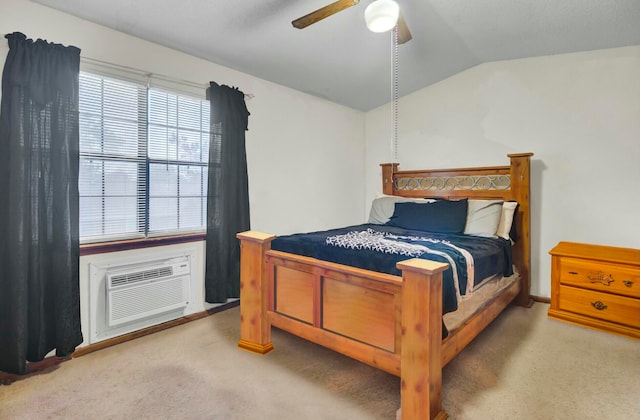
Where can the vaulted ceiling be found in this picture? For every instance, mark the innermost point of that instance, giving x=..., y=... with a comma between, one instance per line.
x=340, y=60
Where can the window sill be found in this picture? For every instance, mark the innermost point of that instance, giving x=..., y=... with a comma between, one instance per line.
x=104, y=247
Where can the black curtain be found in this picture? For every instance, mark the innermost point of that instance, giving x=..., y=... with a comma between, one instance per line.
x=39, y=247
x=228, y=192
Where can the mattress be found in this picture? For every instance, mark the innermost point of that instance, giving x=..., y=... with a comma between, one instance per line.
x=476, y=301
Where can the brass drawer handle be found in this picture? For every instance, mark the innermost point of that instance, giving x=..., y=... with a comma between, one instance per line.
x=600, y=277
x=599, y=305
x=627, y=283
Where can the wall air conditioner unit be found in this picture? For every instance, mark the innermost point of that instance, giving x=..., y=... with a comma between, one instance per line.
x=142, y=291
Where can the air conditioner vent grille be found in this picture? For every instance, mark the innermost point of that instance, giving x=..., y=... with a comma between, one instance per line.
x=140, y=276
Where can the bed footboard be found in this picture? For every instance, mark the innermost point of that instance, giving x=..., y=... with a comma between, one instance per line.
x=336, y=306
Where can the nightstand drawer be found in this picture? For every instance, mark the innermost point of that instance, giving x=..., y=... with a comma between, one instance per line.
x=608, y=307
x=601, y=276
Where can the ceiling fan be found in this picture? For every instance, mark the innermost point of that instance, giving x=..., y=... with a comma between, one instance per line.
x=403, y=31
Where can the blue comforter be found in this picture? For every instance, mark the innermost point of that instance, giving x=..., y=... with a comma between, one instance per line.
x=379, y=247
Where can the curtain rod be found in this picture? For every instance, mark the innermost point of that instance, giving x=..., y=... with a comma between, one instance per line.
x=148, y=74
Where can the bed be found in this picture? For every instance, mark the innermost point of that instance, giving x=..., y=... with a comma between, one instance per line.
x=393, y=322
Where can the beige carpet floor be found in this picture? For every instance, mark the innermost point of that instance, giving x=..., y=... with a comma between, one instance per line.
x=524, y=366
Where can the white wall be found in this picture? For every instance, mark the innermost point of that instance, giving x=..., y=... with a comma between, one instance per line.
x=580, y=115
x=304, y=154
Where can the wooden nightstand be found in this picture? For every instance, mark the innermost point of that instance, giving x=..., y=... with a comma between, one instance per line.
x=596, y=286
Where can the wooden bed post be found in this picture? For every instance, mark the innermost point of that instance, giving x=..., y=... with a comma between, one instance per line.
x=520, y=171
x=387, y=177
x=421, y=345
x=255, y=329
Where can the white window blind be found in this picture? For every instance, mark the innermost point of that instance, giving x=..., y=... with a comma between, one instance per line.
x=143, y=160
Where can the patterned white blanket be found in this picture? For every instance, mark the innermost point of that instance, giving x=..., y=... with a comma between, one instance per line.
x=404, y=245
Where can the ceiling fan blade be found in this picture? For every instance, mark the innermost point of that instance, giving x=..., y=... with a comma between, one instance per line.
x=403, y=30
x=323, y=12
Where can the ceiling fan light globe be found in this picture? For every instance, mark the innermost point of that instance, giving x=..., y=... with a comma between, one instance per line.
x=382, y=15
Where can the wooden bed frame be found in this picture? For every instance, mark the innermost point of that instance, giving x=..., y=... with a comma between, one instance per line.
x=389, y=322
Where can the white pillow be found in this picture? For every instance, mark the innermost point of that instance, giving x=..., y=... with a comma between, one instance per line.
x=483, y=217
x=383, y=206
x=506, y=219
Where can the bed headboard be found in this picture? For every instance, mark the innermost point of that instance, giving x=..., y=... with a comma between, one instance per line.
x=508, y=183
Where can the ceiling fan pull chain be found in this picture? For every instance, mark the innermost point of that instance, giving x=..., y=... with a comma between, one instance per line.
x=394, y=86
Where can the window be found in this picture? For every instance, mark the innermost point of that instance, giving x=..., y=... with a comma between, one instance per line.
x=143, y=160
